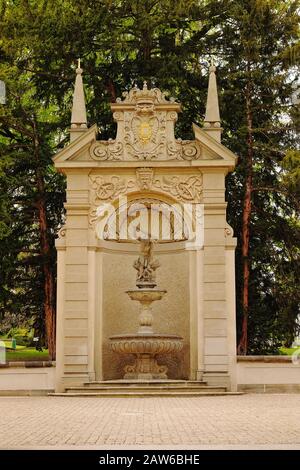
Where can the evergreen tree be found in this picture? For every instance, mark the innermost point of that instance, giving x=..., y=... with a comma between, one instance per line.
x=256, y=103
x=30, y=206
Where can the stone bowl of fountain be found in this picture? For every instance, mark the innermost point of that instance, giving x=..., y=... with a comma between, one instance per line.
x=145, y=345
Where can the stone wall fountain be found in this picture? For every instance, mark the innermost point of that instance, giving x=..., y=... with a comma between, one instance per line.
x=145, y=345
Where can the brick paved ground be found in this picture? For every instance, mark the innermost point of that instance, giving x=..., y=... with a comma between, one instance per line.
x=271, y=421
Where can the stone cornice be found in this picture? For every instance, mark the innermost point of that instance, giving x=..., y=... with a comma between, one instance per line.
x=215, y=164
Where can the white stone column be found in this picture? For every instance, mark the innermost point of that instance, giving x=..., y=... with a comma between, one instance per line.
x=59, y=370
x=98, y=325
x=196, y=315
x=95, y=321
x=214, y=290
x=231, y=308
x=75, y=305
x=91, y=311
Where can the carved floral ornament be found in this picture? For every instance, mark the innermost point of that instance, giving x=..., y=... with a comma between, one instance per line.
x=145, y=130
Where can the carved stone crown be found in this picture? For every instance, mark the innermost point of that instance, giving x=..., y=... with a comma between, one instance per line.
x=144, y=96
x=145, y=131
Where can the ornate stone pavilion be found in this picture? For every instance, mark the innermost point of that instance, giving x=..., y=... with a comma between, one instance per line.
x=145, y=164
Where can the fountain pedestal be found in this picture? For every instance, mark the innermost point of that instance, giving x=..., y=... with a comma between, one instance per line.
x=145, y=344
x=146, y=297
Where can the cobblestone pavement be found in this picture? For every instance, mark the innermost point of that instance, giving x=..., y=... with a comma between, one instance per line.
x=254, y=420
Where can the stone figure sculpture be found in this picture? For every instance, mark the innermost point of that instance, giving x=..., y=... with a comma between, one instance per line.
x=146, y=266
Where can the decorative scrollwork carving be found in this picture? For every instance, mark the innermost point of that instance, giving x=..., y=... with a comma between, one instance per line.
x=129, y=369
x=228, y=230
x=184, y=150
x=107, y=150
x=109, y=189
x=189, y=189
x=62, y=232
x=173, y=116
x=145, y=121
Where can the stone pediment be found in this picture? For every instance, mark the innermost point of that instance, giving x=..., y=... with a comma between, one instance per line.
x=75, y=150
x=145, y=130
x=145, y=133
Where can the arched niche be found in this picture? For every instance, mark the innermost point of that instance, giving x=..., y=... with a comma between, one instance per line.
x=147, y=216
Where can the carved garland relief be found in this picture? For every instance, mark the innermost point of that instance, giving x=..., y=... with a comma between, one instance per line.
x=181, y=188
x=110, y=188
x=188, y=188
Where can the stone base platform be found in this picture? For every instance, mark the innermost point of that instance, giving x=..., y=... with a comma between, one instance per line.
x=143, y=388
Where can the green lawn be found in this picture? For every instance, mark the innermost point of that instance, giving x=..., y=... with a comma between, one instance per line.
x=23, y=353
x=7, y=343
x=27, y=354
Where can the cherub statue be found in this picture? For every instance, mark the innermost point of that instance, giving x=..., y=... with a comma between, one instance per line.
x=146, y=265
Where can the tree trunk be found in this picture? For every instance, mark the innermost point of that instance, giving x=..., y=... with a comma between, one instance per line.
x=49, y=294
x=49, y=284
x=247, y=206
x=111, y=90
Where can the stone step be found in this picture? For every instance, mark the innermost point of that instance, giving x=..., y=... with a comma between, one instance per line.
x=144, y=394
x=130, y=388
x=124, y=383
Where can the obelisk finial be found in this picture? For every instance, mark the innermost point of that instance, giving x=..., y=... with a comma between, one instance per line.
x=78, y=118
x=212, y=114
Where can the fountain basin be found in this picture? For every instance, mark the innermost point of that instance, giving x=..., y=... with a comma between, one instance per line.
x=146, y=344
x=146, y=295
x=145, y=348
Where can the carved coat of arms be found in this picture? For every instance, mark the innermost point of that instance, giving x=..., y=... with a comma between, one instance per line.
x=145, y=130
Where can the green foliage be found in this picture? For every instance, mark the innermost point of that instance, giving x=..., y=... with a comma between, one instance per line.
x=13, y=332
x=291, y=163
x=23, y=336
x=28, y=140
